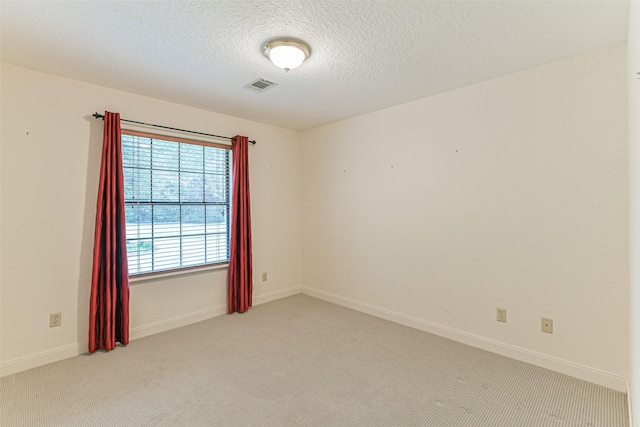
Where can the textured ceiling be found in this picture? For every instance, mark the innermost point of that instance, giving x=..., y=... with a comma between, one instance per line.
x=366, y=55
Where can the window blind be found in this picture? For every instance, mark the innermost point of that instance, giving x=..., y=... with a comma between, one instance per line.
x=177, y=202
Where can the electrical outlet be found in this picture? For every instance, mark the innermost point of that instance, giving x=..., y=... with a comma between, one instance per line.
x=501, y=315
x=547, y=325
x=55, y=319
x=264, y=277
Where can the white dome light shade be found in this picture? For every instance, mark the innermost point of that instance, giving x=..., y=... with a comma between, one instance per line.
x=287, y=57
x=287, y=53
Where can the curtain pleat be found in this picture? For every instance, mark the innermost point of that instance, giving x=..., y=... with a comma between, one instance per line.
x=109, y=304
x=240, y=266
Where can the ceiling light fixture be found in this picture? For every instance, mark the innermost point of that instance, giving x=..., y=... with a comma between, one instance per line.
x=287, y=53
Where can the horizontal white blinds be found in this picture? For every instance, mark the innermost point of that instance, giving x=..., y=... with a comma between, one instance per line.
x=177, y=203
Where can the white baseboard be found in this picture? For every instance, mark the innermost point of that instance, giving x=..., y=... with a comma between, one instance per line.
x=272, y=296
x=586, y=373
x=72, y=350
x=43, y=358
x=199, y=316
x=630, y=405
x=176, y=322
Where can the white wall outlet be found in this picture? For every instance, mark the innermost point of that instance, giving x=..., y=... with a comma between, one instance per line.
x=264, y=276
x=501, y=315
x=55, y=319
x=547, y=325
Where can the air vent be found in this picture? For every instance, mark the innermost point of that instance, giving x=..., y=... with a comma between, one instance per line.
x=260, y=85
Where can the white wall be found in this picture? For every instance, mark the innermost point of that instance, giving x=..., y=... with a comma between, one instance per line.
x=50, y=164
x=511, y=193
x=633, y=79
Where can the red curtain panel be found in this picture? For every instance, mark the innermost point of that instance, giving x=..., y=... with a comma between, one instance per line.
x=240, y=268
x=109, y=306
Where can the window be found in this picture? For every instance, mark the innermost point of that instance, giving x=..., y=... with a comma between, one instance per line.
x=177, y=202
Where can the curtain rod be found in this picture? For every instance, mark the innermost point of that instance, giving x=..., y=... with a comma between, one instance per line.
x=101, y=116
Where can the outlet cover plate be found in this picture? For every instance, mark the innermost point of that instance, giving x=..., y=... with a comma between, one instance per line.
x=547, y=325
x=501, y=315
x=55, y=319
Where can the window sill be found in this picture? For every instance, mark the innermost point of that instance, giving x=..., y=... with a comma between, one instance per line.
x=146, y=278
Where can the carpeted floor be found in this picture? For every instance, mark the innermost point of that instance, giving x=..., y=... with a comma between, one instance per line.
x=300, y=361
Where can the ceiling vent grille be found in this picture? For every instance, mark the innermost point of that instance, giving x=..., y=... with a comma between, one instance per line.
x=260, y=85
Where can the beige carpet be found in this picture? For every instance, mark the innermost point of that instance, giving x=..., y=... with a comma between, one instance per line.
x=300, y=361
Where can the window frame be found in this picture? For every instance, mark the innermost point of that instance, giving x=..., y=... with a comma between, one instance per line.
x=191, y=268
